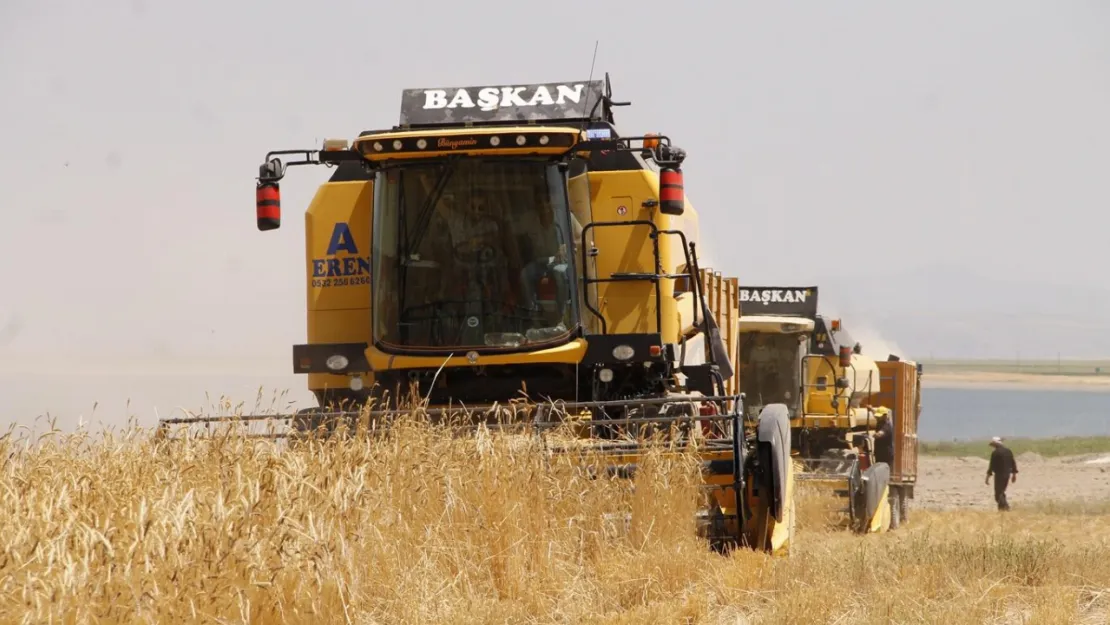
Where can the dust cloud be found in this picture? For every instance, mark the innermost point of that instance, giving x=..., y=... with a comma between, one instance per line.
x=872, y=341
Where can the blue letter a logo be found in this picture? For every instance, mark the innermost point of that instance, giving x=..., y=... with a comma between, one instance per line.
x=341, y=239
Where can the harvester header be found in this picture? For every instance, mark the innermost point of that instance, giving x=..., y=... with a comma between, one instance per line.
x=500, y=104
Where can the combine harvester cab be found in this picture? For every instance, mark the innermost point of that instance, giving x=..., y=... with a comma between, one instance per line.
x=836, y=395
x=504, y=257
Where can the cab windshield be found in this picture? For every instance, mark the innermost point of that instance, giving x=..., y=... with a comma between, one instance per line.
x=770, y=368
x=472, y=254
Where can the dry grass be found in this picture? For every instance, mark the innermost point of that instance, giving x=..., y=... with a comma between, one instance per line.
x=424, y=528
x=1055, y=447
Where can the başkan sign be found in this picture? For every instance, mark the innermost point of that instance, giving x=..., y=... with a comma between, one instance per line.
x=454, y=105
x=796, y=301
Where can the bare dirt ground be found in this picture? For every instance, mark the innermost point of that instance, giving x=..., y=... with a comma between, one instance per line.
x=958, y=483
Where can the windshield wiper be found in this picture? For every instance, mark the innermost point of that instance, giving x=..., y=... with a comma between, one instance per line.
x=424, y=217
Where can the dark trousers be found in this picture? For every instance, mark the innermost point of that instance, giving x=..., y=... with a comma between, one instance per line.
x=1001, y=482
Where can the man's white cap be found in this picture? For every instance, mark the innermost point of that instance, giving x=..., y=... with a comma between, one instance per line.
x=995, y=439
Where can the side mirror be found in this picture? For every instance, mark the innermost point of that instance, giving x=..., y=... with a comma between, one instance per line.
x=267, y=196
x=845, y=359
x=672, y=194
x=267, y=206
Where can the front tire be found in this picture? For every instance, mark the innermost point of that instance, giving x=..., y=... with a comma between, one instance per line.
x=773, y=481
x=876, y=498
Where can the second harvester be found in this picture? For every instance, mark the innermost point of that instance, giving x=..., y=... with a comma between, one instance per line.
x=836, y=396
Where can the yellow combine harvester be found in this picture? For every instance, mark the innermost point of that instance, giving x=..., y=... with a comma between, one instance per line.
x=836, y=396
x=505, y=242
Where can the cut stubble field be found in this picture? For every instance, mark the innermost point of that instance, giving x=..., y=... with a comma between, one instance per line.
x=423, y=527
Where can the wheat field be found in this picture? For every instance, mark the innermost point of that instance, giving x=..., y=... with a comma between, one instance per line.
x=424, y=527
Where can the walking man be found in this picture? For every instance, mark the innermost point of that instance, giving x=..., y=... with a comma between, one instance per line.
x=1004, y=469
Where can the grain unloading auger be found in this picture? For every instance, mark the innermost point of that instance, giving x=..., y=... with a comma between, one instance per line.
x=504, y=243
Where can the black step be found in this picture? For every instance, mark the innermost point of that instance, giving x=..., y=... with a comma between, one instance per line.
x=623, y=276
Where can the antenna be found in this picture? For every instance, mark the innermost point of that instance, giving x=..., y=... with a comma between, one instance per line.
x=590, y=79
x=594, y=59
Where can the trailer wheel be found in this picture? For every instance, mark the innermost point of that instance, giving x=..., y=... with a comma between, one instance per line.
x=895, y=507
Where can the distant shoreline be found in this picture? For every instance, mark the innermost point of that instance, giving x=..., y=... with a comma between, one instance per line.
x=999, y=381
x=1077, y=375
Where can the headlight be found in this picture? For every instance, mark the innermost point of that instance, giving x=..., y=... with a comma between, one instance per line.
x=623, y=352
x=356, y=383
x=337, y=362
x=605, y=375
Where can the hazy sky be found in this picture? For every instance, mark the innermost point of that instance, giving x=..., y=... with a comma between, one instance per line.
x=974, y=133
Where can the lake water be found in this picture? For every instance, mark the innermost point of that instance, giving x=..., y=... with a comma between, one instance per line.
x=977, y=413
x=947, y=413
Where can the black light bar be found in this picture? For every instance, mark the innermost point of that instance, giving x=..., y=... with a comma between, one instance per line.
x=513, y=140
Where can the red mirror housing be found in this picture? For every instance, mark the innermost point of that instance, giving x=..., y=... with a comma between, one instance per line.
x=845, y=356
x=268, y=206
x=671, y=191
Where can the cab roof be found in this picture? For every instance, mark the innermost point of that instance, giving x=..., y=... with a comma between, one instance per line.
x=780, y=324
